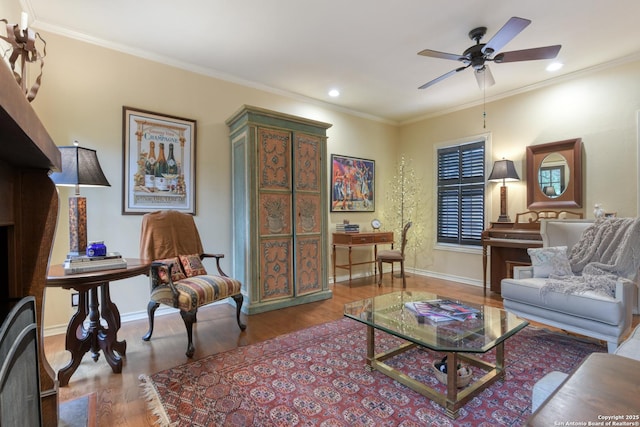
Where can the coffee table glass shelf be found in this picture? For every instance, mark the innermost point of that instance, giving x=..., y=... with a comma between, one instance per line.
x=485, y=330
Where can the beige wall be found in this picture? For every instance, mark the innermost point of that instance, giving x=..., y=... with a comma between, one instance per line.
x=83, y=91
x=85, y=87
x=599, y=107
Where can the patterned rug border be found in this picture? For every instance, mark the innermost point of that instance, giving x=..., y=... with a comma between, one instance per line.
x=286, y=343
x=154, y=403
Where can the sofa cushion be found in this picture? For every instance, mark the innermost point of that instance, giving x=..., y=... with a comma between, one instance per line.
x=192, y=265
x=550, y=261
x=176, y=270
x=197, y=291
x=588, y=305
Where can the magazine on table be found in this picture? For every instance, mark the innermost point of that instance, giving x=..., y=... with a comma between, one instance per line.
x=442, y=310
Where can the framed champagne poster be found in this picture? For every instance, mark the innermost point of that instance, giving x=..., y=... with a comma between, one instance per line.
x=159, y=162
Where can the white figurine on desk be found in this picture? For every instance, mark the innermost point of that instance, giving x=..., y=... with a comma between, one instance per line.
x=598, y=212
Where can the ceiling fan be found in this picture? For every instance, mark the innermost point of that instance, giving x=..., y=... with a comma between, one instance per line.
x=477, y=55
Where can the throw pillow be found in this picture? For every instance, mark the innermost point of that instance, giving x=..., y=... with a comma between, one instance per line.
x=192, y=265
x=550, y=261
x=176, y=270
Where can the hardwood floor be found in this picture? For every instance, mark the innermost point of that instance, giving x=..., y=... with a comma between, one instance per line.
x=119, y=400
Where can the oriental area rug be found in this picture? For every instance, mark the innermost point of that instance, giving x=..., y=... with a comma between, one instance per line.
x=318, y=377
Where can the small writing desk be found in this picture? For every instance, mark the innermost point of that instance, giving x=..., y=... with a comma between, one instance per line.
x=96, y=337
x=350, y=240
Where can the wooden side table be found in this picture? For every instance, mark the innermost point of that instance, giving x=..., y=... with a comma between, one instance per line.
x=96, y=337
x=603, y=385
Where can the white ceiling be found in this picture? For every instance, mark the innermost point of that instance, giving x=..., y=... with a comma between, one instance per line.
x=365, y=48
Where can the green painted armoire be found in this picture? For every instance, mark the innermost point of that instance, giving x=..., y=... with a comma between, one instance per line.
x=279, y=186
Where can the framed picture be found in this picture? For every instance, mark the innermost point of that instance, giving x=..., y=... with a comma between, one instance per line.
x=159, y=162
x=352, y=184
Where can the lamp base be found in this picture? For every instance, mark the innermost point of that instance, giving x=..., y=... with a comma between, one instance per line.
x=504, y=218
x=503, y=205
x=77, y=225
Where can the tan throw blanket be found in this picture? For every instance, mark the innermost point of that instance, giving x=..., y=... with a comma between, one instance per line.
x=608, y=250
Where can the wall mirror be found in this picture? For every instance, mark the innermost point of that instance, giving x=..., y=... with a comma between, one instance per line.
x=554, y=174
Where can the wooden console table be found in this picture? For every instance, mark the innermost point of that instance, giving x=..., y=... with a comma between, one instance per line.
x=602, y=385
x=350, y=240
x=80, y=340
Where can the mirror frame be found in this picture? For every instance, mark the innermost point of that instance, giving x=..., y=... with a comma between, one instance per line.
x=571, y=149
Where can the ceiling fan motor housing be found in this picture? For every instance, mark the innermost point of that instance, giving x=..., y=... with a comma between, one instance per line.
x=475, y=56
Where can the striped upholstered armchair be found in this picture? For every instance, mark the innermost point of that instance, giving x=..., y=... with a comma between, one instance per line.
x=177, y=275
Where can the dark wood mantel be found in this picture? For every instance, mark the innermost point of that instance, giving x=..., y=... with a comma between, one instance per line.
x=28, y=214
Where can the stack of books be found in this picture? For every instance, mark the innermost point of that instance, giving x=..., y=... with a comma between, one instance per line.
x=86, y=264
x=348, y=228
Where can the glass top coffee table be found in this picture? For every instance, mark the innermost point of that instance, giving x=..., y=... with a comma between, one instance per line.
x=483, y=328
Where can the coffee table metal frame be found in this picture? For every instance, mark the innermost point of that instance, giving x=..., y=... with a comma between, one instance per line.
x=454, y=398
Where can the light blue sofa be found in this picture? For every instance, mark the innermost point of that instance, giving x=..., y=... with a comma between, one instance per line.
x=589, y=314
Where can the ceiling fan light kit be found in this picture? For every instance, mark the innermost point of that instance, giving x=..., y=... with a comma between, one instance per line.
x=479, y=54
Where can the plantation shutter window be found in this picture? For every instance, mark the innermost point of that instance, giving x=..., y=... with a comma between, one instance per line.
x=461, y=186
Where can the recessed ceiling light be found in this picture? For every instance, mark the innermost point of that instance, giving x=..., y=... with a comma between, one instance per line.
x=554, y=66
x=334, y=93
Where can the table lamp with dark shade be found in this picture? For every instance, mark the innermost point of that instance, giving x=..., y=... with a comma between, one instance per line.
x=550, y=191
x=503, y=170
x=80, y=168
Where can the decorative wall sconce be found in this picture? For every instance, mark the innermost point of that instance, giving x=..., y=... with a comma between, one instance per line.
x=22, y=41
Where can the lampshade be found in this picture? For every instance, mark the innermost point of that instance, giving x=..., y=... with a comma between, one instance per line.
x=550, y=191
x=80, y=167
x=504, y=170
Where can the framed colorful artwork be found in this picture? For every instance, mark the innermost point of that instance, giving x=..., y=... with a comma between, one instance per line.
x=352, y=184
x=159, y=162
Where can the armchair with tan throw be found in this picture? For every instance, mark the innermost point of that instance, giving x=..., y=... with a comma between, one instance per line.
x=172, y=241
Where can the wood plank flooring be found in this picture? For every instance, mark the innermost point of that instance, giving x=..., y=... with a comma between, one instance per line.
x=120, y=402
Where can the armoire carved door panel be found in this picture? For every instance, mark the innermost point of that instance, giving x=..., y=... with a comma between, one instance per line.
x=276, y=269
x=307, y=163
x=308, y=265
x=308, y=213
x=275, y=159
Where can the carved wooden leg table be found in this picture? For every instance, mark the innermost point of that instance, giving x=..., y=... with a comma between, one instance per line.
x=95, y=337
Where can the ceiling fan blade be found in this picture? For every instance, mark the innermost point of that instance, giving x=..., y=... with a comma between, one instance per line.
x=442, y=55
x=484, y=77
x=512, y=28
x=442, y=77
x=547, y=52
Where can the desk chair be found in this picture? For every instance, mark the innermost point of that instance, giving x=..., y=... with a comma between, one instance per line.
x=392, y=256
